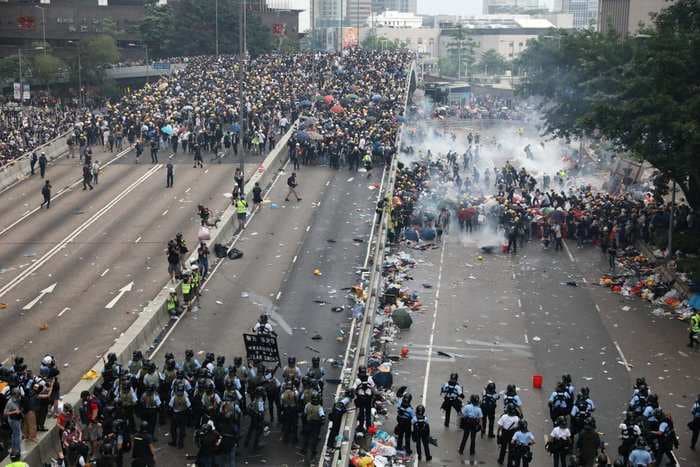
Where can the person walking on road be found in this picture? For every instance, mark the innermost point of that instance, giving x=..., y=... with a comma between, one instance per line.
x=139, y=149
x=143, y=453
x=198, y=162
x=169, y=175
x=404, y=420
x=42, y=164
x=489, y=401
x=239, y=179
x=95, y=171
x=241, y=211
x=507, y=425
x=559, y=443
x=452, y=397
x=471, y=424
x=522, y=440
x=87, y=177
x=32, y=162
x=292, y=184
x=13, y=413
x=257, y=195
x=694, y=423
x=154, y=150
x=46, y=193
x=421, y=433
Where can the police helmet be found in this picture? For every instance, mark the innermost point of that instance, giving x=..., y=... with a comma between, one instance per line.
x=259, y=391
x=316, y=398
x=491, y=388
x=137, y=355
x=292, y=361
x=180, y=374
x=653, y=400
x=362, y=370
x=640, y=382
x=511, y=410
x=263, y=319
x=566, y=379
x=406, y=399
x=561, y=422
x=453, y=378
x=315, y=362
x=420, y=410
x=510, y=390
x=209, y=357
x=585, y=392
x=189, y=353
x=48, y=360
x=169, y=356
x=237, y=361
x=220, y=360
x=111, y=357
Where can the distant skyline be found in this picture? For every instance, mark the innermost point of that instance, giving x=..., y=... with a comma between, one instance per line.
x=457, y=7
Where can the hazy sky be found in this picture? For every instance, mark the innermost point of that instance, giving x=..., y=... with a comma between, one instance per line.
x=459, y=7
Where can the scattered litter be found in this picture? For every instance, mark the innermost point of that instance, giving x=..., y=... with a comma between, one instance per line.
x=219, y=302
x=337, y=309
x=626, y=308
x=90, y=375
x=330, y=240
x=316, y=337
x=428, y=286
x=274, y=205
x=320, y=302
x=43, y=327
x=317, y=272
x=312, y=349
x=358, y=240
x=571, y=283
x=351, y=179
x=244, y=295
x=443, y=354
x=536, y=339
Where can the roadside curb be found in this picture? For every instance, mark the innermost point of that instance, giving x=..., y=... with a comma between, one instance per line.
x=145, y=332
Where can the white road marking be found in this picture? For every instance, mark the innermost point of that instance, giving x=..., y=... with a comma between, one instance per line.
x=122, y=291
x=104, y=273
x=47, y=290
x=5, y=361
x=56, y=195
x=216, y=267
x=164, y=212
x=308, y=227
x=584, y=280
x=63, y=311
x=568, y=252
x=328, y=182
x=597, y=308
x=294, y=260
x=171, y=156
x=279, y=294
x=527, y=340
x=188, y=189
x=622, y=357
x=206, y=170
x=75, y=233
x=137, y=240
x=432, y=331
x=520, y=304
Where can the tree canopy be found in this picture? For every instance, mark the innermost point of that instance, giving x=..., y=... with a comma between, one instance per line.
x=639, y=92
x=492, y=63
x=460, y=51
x=188, y=27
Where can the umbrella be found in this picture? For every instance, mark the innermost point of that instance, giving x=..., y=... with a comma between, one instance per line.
x=547, y=211
x=305, y=103
x=410, y=234
x=328, y=99
x=336, y=109
x=352, y=96
x=167, y=129
x=236, y=128
x=428, y=234
x=302, y=135
x=376, y=98
x=558, y=216
x=694, y=301
x=402, y=318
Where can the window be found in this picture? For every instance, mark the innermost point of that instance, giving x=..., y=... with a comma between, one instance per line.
x=420, y=41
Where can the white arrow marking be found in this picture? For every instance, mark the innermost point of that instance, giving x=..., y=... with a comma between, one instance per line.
x=48, y=289
x=122, y=291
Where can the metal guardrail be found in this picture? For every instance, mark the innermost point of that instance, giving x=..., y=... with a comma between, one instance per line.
x=341, y=456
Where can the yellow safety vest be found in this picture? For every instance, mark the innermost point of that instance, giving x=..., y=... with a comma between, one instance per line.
x=695, y=323
x=241, y=206
x=186, y=286
x=195, y=279
x=18, y=464
x=171, y=303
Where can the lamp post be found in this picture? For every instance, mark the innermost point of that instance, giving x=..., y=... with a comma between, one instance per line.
x=43, y=26
x=80, y=78
x=216, y=28
x=241, y=71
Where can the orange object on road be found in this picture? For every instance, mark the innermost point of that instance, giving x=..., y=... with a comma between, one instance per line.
x=404, y=351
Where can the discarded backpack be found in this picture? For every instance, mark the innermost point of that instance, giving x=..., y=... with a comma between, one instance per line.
x=220, y=250
x=235, y=253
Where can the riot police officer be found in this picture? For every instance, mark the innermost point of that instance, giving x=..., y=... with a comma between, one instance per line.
x=364, y=397
x=256, y=412
x=404, y=420
x=180, y=406
x=489, y=400
x=421, y=433
x=315, y=416
x=452, y=397
x=289, y=401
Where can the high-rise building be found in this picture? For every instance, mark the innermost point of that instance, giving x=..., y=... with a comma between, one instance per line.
x=585, y=12
x=357, y=12
x=494, y=7
x=403, y=6
x=625, y=16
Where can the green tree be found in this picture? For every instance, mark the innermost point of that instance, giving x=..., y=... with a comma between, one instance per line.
x=46, y=67
x=189, y=27
x=9, y=68
x=460, y=50
x=95, y=53
x=380, y=43
x=492, y=63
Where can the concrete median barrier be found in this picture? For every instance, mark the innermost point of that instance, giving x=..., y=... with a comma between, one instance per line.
x=18, y=169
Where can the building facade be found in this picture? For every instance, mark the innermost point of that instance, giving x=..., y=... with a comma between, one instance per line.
x=585, y=12
x=404, y=6
x=22, y=22
x=625, y=16
x=495, y=7
x=395, y=19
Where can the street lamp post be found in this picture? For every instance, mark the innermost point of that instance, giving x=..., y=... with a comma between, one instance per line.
x=43, y=26
x=216, y=20
x=241, y=71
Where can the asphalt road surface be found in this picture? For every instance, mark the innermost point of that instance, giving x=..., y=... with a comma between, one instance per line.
x=61, y=267
x=282, y=247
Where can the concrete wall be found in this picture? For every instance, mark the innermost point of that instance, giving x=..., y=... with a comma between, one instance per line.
x=18, y=169
x=154, y=318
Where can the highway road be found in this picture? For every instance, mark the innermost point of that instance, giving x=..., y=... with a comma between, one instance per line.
x=61, y=267
x=282, y=247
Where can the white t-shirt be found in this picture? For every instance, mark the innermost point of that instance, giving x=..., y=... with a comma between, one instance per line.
x=560, y=433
